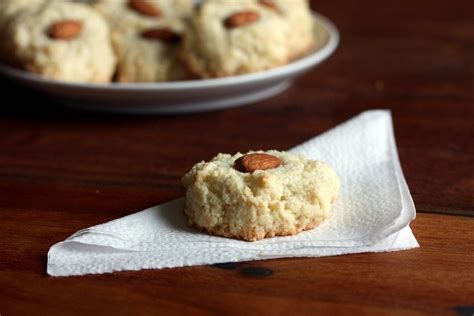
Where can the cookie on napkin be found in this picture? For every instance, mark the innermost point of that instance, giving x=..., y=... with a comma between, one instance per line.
x=259, y=194
x=372, y=214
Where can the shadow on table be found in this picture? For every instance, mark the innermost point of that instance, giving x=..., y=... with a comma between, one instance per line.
x=23, y=102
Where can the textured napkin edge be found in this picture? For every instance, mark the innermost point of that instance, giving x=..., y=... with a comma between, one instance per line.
x=402, y=240
x=408, y=212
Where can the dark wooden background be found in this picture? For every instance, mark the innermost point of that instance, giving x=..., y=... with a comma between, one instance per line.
x=63, y=170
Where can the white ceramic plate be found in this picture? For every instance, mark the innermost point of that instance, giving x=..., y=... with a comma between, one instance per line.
x=183, y=96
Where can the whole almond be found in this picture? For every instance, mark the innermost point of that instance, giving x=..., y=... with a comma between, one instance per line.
x=252, y=162
x=241, y=18
x=145, y=7
x=65, y=30
x=163, y=34
x=269, y=4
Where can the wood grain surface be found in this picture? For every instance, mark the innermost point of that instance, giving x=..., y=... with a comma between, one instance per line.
x=431, y=280
x=63, y=170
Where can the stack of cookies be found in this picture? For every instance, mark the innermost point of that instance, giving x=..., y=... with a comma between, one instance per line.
x=100, y=41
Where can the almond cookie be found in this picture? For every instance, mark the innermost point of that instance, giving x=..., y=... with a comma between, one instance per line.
x=148, y=52
x=64, y=41
x=298, y=15
x=8, y=9
x=123, y=15
x=227, y=38
x=259, y=194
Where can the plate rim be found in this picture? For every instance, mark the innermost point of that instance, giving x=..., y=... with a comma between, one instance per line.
x=295, y=66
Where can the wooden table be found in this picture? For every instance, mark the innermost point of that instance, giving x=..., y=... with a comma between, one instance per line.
x=62, y=170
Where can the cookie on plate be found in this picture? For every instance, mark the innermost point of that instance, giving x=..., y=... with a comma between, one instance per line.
x=123, y=15
x=8, y=9
x=259, y=194
x=298, y=15
x=148, y=53
x=64, y=41
x=227, y=38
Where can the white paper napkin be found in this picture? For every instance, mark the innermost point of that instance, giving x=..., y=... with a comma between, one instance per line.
x=372, y=214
